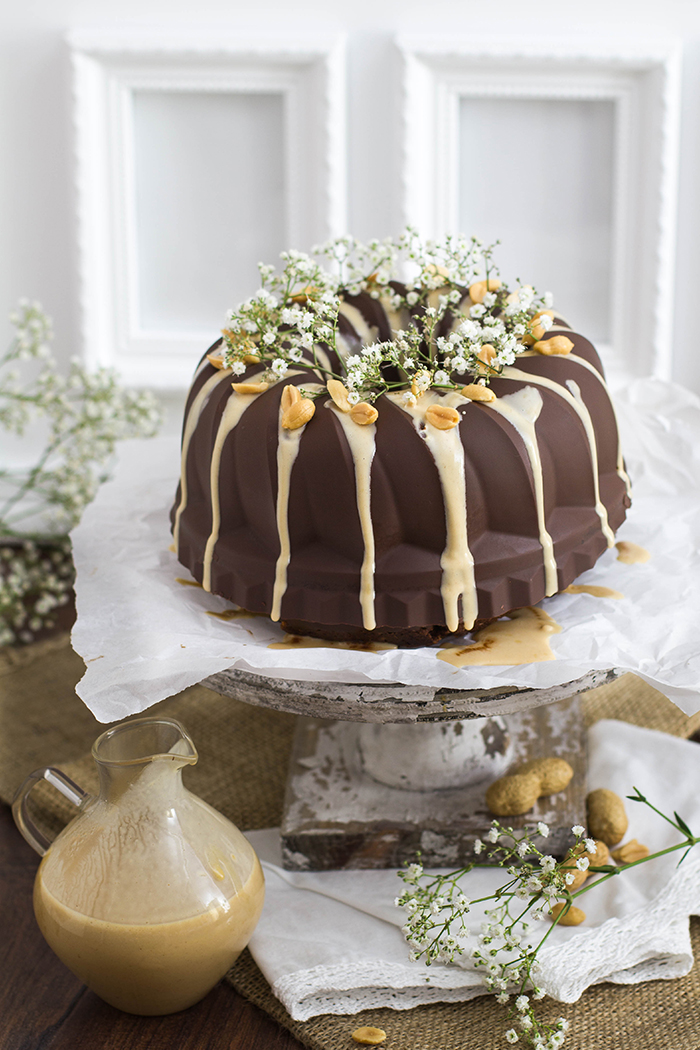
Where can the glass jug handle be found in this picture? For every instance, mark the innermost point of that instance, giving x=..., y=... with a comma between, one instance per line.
x=20, y=812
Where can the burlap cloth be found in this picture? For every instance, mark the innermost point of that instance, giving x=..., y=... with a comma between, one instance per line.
x=242, y=770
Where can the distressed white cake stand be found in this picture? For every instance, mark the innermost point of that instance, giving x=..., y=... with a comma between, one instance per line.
x=381, y=772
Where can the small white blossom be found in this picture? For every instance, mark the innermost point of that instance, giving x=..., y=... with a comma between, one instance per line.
x=590, y=846
x=542, y=829
x=583, y=863
x=478, y=846
x=492, y=835
x=578, y=830
x=511, y=1036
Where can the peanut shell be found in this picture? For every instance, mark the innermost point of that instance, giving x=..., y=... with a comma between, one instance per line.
x=573, y=917
x=512, y=795
x=607, y=819
x=554, y=773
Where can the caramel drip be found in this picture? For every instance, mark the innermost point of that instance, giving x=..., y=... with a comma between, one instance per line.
x=584, y=415
x=187, y=583
x=456, y=562
x=621, y=472
x=235, y=407
x=367, y=333
x=521, y=639
x=362, y=443
x=593, y=589
x=191, y=421
x=287, y=452
x=300, y=641
x=631, y=553
x=522, y=410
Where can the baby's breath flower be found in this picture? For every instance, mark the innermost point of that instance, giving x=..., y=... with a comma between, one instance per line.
x=542, y=829
x=578, y=830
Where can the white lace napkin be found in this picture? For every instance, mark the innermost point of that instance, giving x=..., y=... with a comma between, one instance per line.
x=330, y=942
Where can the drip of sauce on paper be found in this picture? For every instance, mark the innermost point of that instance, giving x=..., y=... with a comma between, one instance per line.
x=234, y=614
x=523, y=638
x=300, y=641
x=187, y=583
x=592, y=588
x=457, y=562
x=631, y=553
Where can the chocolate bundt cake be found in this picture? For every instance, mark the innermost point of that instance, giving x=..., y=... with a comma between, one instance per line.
x=365, y=459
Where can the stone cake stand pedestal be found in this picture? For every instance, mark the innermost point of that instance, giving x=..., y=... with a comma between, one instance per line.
x=381, y=772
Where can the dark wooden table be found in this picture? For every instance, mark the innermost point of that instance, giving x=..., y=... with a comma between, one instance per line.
x=44, y=1007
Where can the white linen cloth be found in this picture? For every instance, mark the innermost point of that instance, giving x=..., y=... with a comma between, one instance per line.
x=330, y=942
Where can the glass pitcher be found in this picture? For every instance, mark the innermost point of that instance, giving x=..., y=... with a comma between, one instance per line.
x=149, y=895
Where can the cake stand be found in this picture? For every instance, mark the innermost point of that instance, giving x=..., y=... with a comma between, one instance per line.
x=379, y=773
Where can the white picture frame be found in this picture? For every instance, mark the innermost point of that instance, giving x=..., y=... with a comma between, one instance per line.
x=643, y=83
x=108, y=67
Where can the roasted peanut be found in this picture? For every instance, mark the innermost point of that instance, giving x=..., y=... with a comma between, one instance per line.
x=363, y=414
x=630, y=852
x=558, y=344
x=607, y=819
x=339, y=393
x=298, y=414
x=442, y=416
x=573, y=917
x=477, y=392
x=554, y=773
x=290, y=396
x=510, y=796
x=478, y=290
x=216, y=360
x=250, y=388
x=369, y=1036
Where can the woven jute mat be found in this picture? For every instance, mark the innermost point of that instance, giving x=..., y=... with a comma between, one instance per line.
x=244, y=753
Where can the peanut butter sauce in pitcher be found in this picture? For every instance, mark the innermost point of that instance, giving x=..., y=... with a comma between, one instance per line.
x=149, y=895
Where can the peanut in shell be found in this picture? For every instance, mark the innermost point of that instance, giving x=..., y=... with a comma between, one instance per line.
x=607, y=819
x=574, y=916
x=510, y=796
x=554, y=773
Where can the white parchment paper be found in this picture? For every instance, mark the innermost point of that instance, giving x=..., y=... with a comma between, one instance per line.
x=144, y=636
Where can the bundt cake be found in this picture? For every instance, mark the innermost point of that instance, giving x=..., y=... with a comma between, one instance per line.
x=370, y=459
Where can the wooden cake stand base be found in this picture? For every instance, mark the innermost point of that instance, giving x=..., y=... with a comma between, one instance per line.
x=396, y=770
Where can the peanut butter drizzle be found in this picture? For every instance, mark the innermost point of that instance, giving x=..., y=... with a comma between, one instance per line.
x=190, y=424
x=631, y=553
x=287, y=451
x=522, y=410
x=592, y=588
x=235, y=407
x=300, y=641
x=456, y=562
x=362, y=444
x=621, y=472
x=187, y=583
x=367, y=333
x=584, y=415
x=521, y=639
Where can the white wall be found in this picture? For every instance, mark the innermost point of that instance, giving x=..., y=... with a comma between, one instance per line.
x=38, y=255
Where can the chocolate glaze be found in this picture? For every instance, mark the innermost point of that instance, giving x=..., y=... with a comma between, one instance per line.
x=408, y=514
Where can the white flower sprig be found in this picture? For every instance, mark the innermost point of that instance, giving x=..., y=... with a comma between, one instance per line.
x=83, y=414
x=506, y=953
x=440, y=336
